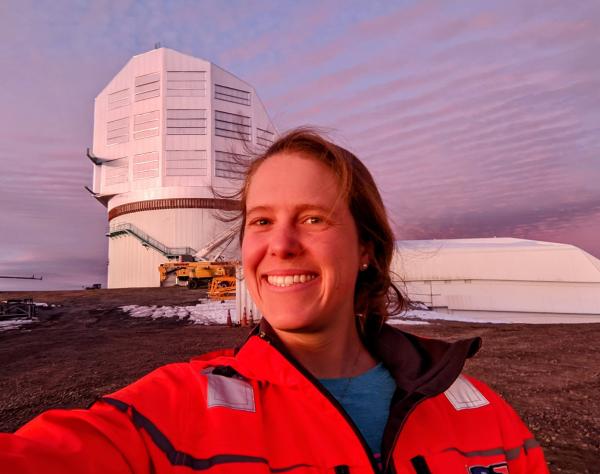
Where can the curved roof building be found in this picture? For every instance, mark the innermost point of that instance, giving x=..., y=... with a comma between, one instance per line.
x=514, y=279
x=168, y=129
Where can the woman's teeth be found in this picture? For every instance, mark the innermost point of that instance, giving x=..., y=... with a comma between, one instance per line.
x=289, y=280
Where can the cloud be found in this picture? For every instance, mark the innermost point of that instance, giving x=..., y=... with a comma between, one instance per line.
x=476, y=120
x=539, y=221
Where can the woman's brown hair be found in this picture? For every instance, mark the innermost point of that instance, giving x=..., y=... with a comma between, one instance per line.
x=375, y=296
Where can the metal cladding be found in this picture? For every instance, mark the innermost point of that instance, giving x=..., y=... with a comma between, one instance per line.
x=514, y=280
x=169, y=130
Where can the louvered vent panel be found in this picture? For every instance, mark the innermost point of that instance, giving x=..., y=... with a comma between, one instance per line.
x=147, y=86
x=146, y=125
x=186, y=163
x=230, y=165
x=230, y=94
x=118, y=99
x=186, y=122
x=145, y=165
x=233, y=126
x=264, y=137
x=186, y=83
x=116, y=171
x=117, y=131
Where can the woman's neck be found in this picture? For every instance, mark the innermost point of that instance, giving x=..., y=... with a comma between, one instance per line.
x=329, y=354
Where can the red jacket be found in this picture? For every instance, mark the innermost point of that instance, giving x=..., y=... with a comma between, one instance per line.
x=258, y=411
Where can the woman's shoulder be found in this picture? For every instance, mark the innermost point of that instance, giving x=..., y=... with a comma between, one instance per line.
x=470, y=399
x=468, y=405
x=169, y=382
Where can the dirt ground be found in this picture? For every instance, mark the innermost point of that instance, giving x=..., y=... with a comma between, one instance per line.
x=87, y=347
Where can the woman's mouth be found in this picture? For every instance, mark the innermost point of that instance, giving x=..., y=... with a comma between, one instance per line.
x=290, y=280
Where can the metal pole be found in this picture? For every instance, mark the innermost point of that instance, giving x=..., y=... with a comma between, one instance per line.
x=32, y=277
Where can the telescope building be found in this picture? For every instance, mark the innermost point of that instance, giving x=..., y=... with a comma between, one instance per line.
x=167, y=129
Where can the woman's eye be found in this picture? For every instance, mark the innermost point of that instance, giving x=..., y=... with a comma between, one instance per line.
x=261, y=221
x=313, y=220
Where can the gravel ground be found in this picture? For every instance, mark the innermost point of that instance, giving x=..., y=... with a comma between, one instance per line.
x=87, y=347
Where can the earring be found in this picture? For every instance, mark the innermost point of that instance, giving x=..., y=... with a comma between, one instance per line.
x=364, y=266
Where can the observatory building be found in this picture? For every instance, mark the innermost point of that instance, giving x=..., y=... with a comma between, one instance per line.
x=512, y=280
x=167, y=129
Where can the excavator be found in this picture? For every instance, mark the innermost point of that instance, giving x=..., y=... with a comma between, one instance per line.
x=207, y=270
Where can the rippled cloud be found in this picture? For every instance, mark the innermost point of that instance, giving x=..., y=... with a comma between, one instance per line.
x=477, y=119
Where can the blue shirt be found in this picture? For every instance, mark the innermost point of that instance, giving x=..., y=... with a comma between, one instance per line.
x=366, y=398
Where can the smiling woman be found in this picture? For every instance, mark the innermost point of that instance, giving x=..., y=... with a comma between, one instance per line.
x=323, y=384
x=303, y=249
x=300, y=250
x=348, y=186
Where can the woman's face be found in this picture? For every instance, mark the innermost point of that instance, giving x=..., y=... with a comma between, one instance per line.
x=300, y=251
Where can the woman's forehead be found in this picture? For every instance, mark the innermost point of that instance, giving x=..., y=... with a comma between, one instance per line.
x=293, y=171
x=292, y=159
x=288, y=179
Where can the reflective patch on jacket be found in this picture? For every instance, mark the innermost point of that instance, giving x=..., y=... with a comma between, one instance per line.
x=229, y=392
x=463, y=395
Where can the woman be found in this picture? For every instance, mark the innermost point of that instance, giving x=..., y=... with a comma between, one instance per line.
x=323, y=384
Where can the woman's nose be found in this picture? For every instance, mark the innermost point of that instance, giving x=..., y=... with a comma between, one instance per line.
x=284, y=242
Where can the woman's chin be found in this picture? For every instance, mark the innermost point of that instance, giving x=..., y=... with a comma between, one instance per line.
x=294, y=321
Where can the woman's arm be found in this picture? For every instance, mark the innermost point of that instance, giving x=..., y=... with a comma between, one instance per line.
x=98, y=440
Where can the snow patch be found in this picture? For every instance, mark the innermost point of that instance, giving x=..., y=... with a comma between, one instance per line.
x=404, y=322
x=7, y=324
x=436, y=316
x=490, y=317
x=207, y=313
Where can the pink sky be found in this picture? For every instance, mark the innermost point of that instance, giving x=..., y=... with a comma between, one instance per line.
x=477, y=120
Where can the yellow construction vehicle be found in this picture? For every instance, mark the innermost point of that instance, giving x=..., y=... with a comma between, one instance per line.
x=194, y=274
x=222, y=288
x=207, y=265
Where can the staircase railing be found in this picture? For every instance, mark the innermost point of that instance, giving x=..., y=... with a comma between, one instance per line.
x=148, y=241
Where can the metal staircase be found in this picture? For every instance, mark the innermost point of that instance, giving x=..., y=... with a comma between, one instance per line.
x=147, y=241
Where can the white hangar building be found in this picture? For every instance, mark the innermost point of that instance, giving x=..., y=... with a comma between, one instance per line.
x=167, y=128
x=510, y=279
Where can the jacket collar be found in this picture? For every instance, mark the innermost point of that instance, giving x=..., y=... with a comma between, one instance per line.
x=418, y=365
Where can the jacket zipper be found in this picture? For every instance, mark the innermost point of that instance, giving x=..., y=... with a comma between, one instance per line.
x=388, y=457
x=329, y=397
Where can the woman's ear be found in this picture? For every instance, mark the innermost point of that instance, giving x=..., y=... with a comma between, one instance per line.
x=366, y=254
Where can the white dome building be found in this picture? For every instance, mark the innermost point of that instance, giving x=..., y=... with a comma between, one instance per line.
x=167, y=128
x=510, y=279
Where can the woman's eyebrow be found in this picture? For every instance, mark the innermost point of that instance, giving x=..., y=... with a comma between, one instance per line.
x=258, y=209
x=297, y=208
x=314, y=207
